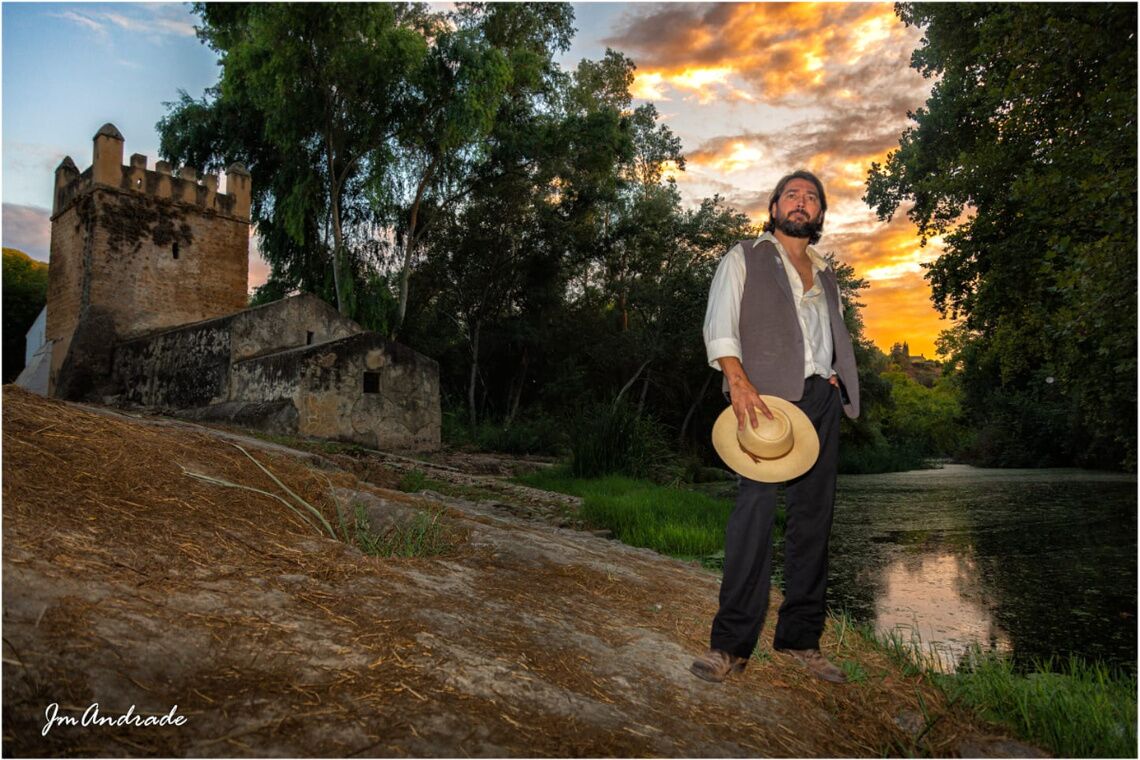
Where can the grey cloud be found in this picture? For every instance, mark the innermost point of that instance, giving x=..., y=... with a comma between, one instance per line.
x=657, y=33
x=27, y=228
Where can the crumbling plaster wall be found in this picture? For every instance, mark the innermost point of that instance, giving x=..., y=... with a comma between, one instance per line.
x=327, y=384
x=182, y=368
x=189, y=366
x=289, y=323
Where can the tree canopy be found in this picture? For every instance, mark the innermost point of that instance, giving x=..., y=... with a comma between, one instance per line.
x=438, y=176
x=1024, y=160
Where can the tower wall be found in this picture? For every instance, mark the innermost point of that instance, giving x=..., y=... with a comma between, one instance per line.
x=133, y=251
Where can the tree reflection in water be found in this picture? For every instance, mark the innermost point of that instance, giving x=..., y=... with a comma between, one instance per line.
x=934, y=601
x=1038, y=563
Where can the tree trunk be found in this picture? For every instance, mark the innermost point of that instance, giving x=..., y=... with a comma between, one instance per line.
x=693, y=408
x=409, y=242
x=632, y=380
x=514, y=403
x=474, y=374
x=644, y=392
x=338, y=235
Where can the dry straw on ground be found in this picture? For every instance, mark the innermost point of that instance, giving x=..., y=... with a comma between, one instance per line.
x=128, y=582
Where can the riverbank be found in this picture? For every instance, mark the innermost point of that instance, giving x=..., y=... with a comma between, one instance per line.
x=1072, y=707
x=152, y=588
x=1078, y=709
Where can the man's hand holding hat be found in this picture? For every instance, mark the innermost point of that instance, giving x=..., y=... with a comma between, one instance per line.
x=773, y=441
x=745, y=398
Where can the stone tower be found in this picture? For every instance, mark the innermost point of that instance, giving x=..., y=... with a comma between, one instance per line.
x=134, y=251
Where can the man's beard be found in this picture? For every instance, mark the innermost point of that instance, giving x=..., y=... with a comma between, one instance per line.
x=798, y=229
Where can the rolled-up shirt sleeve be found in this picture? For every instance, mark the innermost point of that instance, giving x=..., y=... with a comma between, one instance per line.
x=722, y=316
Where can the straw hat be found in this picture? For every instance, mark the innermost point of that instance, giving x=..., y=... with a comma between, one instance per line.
x=784, y=447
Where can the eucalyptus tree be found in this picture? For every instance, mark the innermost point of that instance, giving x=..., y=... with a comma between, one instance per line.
x=484, y=254
x=457, y=93
x=327, y=85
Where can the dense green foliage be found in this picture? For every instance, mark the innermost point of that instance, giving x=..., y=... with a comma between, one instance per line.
x=615, y=438
x=25, y=283
x=1024, y=159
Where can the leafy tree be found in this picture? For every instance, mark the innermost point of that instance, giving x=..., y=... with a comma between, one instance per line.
x=25, y=295
x=514, y=221
x=488, y=259
x=310, y=96
x=330, y=82
x=1024, y=158
x=925, y=420
x=457, y=98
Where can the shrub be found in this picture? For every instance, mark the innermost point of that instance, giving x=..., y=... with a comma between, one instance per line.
x=535, y=435
x=614, y=438
x=879, y=457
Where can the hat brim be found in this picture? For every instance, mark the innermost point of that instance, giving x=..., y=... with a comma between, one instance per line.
x=804, y=452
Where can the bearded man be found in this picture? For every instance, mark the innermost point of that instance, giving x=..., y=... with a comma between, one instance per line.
x=774, y=326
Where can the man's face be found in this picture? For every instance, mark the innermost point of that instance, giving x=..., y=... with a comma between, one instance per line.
x=798, y=212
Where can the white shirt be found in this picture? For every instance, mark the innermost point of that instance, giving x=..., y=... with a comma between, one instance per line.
x=722, y=317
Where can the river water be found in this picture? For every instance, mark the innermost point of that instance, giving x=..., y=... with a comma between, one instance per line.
x=1031, y=563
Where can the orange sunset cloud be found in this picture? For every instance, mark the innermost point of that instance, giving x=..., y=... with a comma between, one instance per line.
x=782, y=51
x=820, y=86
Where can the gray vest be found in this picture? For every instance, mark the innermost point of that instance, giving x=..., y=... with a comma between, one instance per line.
x=771, y=340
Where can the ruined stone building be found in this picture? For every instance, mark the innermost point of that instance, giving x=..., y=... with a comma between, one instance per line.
x=147, y=289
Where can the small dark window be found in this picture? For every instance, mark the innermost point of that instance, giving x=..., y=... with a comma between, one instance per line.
x=175, y=250
x=309, y=338
x=371, y=382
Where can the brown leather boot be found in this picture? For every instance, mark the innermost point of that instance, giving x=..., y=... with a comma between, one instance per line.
x=818, y=665
x=716, y=665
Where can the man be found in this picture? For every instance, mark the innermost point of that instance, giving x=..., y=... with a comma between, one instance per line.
x=774, y=325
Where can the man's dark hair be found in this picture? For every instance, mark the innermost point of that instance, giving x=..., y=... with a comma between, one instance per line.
x=770, y=225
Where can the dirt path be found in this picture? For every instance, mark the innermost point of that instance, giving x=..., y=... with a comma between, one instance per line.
x=128, y=582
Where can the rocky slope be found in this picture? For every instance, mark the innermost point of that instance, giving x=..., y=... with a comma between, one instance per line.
x=132, y=582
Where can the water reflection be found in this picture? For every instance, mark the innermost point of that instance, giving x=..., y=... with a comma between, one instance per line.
x=933, y=601
x=1040, y=563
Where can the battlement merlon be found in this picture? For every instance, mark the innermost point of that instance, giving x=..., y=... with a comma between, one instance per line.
x=107, y=170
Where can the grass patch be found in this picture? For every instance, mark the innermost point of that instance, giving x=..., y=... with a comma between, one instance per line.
x=1072, y=709
x=420, y=536
x=673, y=521
x=413, y=481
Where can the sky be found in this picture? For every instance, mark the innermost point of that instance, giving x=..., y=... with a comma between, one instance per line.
x=754, y=91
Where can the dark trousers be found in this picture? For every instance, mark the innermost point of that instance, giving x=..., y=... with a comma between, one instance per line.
x=810, y=501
